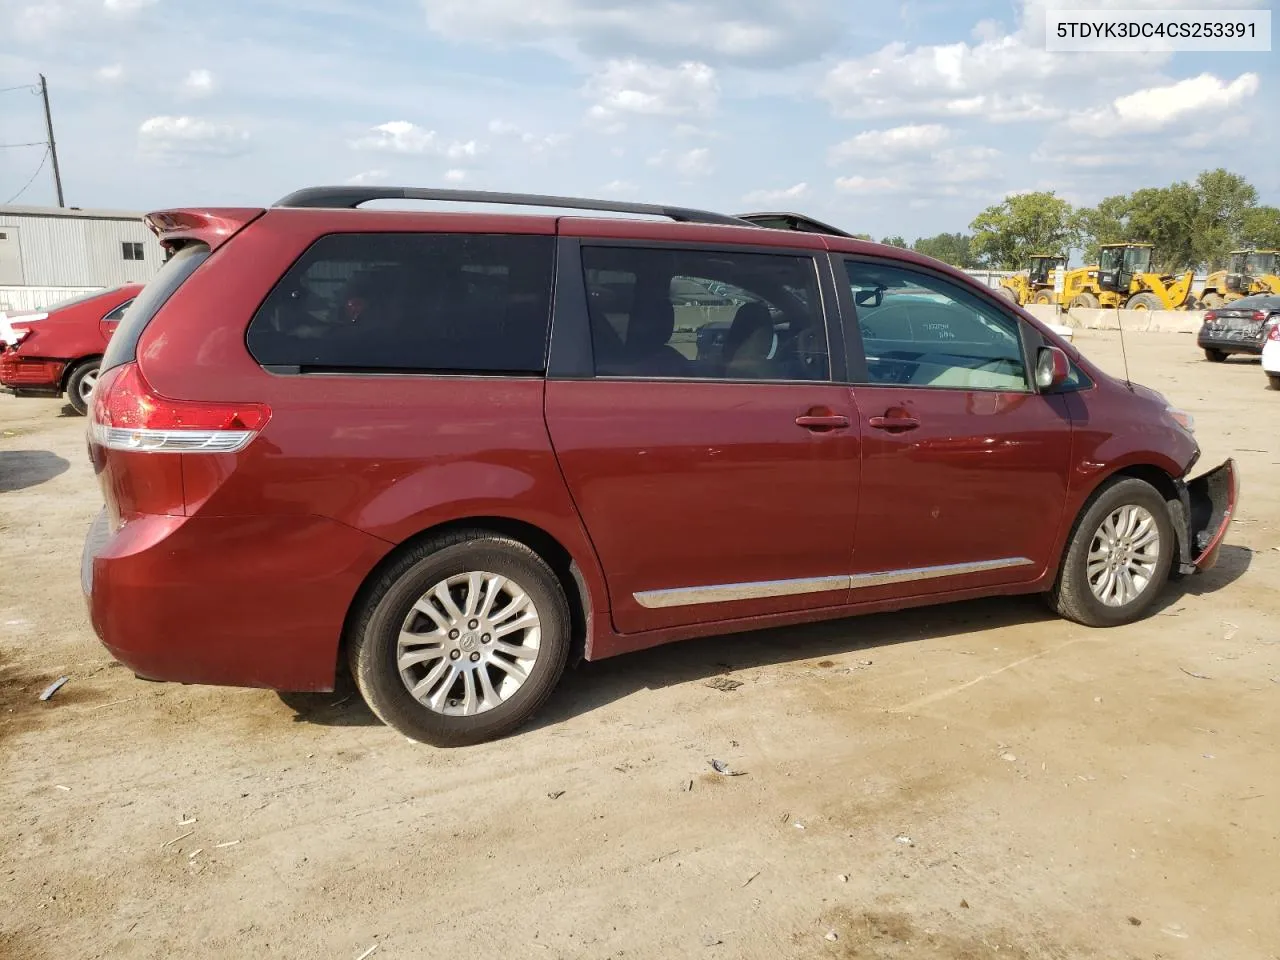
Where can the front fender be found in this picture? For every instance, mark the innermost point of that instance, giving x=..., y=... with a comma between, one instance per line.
x=1202, y=514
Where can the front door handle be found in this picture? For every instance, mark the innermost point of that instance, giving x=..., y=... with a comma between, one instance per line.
x=894, y=423
x=832, y=421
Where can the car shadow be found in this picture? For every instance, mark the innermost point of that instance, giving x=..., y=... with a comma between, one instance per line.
x=592, y=685
x=69, y=411
x=20, y=469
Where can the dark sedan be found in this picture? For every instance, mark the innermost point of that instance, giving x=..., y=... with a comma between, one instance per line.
x=1239, y=327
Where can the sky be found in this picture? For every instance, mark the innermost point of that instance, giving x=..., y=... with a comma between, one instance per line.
x=897, y=117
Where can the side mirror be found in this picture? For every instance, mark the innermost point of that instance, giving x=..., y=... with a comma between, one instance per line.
x=869, y=298
x=1052, y=368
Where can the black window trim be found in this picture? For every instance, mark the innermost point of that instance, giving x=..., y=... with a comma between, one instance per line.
x=119, y=306
x=312, y=370
x=573, y=353
x=860, y=375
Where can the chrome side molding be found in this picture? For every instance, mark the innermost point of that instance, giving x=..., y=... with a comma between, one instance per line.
x=764, y=589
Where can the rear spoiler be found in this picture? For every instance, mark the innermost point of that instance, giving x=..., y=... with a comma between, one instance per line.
x=793, y=221
x=212, y=227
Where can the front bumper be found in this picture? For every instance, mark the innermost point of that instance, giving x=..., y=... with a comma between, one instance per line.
x=1203, y=513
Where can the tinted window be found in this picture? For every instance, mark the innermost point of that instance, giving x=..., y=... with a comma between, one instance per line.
x=124, y=342
x=705, y=314
x=920, y=330
x=411, y=302
x=118, y=312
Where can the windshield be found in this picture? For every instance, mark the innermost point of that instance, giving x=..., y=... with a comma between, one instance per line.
x=1137, y=260
x=1260, y=264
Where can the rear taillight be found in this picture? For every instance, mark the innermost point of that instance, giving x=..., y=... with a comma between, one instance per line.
x=128, y=415
x=1273, y=331
x=1259, y=315
x=1210, y=317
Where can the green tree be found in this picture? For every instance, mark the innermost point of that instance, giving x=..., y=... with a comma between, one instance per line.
x=1260, y=227
x=1006, y=234
x=896, y=242
x=1108, y=222
x=1225, y=197
x=952, y=248
x=863, y=236
x=1167, y=218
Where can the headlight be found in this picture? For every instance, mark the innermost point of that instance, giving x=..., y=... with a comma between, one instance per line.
x=1183, y=419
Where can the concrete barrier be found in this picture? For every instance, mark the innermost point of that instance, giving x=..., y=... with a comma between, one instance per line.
x=1134, y=321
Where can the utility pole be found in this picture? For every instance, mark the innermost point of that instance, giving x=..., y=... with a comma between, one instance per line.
x=53, y=147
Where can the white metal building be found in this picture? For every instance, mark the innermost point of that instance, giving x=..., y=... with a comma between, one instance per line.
x=48, y=253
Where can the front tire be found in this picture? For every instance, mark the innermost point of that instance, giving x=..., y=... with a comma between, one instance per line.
x=1144, y=301
x=1119, y=557
x=1086, y=300
x=461, y=640
x=81, y=383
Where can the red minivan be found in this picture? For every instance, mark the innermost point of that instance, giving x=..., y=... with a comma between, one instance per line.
x=57, y=350
x=459, y=449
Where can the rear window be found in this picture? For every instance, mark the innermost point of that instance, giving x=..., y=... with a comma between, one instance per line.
x=418, y=303
x=123, y=346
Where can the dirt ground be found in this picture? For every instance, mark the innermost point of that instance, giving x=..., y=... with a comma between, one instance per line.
x=976, y=781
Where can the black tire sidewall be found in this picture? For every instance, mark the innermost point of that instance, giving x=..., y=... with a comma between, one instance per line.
x=373, y=649
x=1116, y=495
x=73, y=385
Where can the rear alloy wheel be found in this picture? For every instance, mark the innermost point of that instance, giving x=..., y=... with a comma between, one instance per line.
x=80, y=385
x=1214, y=356
x=1143, y=301
x=461, y=640
x=1086, y=300
x=1119, y=556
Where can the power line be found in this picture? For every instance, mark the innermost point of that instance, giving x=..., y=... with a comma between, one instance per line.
x=33, y=177
x=23, y=86
x=33, y=143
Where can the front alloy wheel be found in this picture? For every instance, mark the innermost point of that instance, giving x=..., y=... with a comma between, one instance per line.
x=1124, y=556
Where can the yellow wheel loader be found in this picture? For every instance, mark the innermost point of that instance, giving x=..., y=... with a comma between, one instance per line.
x=1123, y=278
x=1036, y=285
x=1248, y=272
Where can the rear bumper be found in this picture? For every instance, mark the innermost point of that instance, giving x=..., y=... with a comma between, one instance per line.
x=32, y=377
x=1208, y=504
x=234, y=601
x=1230, y=344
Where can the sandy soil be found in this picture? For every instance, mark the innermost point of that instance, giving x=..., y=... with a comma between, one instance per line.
x=976, y=781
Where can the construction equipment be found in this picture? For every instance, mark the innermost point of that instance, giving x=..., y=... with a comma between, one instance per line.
x=1036, y=284
x=1248, y=272
x=1123, y=278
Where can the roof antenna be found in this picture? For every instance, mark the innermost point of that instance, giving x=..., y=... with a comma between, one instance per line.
x=1123, y=352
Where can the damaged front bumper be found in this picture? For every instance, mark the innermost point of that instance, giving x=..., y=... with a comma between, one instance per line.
x=1202, y=515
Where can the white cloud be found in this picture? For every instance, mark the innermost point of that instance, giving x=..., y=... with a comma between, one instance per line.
x=401, y=136
x=767, y=197
x=171, y=136
x=858, y=184
x=774, y=31
x=1000, y=75
x=687, y=163
x=622, y=187
x=1157, y=108
x=198, y=83
x=635, y=87
x=127, y=6
x=110, y=73
x=455, y=176
x=367, y=178
x=907, y=141
x=533, y=142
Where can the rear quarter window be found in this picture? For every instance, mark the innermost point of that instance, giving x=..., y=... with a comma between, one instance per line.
x=416, y=303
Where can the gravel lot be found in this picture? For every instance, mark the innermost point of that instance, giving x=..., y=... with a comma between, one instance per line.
x=974, y=781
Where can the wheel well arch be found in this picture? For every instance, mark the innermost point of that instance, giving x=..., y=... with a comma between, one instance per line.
x=72, y=365
x=546, y=546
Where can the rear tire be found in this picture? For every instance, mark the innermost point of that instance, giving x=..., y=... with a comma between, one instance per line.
x=1043, y=299
x=1083, y=592
x=81, y=383
x=1214, y=356
x=403, y=633
x=1086, y=300
x=1143, y=301
x=1008, y=294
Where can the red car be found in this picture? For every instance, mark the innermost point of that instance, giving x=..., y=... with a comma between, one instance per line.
x=58, y=350
x=460, y=449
